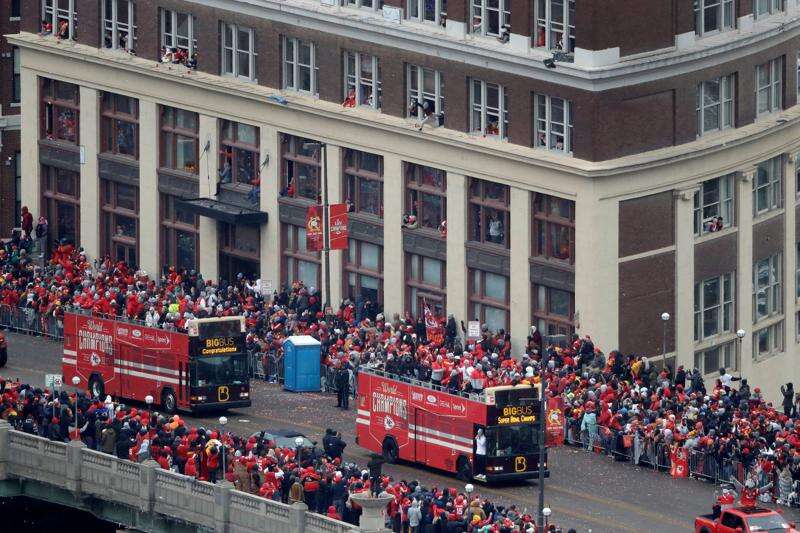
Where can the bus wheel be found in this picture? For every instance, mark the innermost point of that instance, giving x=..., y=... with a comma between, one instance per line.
x=463, y=469
x=168, y=402
x=390, y=451
x=96, y=388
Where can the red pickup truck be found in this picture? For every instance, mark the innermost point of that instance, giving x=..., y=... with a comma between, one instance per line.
x=744, y=520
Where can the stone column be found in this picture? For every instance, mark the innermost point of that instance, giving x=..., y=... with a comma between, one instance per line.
x=393, y=257
x=270, y=187
x=90, y=179
x=297, y=517
x=333, y=163
x=597, y=269
x=373, y=515
x=789, y=252
x=29, y=135
x=520, y=283
x=149, y=213
x=209, y=239
x=222, y=506
x=147, y=485
x=684, y=277
x=74, y=457
x=456, y=252
x=744, y=268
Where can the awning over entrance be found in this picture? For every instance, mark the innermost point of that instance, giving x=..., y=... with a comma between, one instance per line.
x=225, y=212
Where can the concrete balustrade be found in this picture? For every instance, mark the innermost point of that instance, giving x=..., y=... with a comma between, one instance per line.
x=142, y=495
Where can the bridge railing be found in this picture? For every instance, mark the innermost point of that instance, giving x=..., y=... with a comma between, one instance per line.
x=147, y=488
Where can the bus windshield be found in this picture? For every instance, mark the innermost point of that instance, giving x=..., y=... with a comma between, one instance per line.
x=502, y=441
x=219, y=370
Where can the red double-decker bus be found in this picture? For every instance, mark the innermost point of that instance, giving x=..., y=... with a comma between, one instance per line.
x=205, y=368
x=419, y=422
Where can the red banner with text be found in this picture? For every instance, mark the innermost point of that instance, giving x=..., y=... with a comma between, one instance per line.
x=314, y=238
x=555, y=422
x=338, y=226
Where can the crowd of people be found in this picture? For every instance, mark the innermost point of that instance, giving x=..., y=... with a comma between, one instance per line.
x=611, y=401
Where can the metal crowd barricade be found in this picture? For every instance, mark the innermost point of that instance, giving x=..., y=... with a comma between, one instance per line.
x=28, y=320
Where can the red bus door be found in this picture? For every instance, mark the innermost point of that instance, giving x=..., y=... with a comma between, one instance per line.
x=127, y=358
x=420, y=446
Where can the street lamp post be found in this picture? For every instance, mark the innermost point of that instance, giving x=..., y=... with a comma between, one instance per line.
x=740, y=333
x=76, y=381
x=542, y=441
x=299, y=443
x=326, y=250
x=664, y=319
x=223, y=420
x=149, y=401
x=546, y=512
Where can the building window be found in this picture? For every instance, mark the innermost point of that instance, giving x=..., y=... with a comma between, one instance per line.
x=713, y=306
x=796, y=275
x=300, y=70
x=16, y=78
x=711, y=360
x=300, y=168
x=119, y=26
x=490, y=16
x=299, y=264
x=363, y=266
x=768, y=341
x=425, y=91
x=553, y=311
x=15, y=9
x=426, y=280
x=769, y=86
x=426, y=195
x=239, y=155
x=179, y=144
x=767, y=286
x=120, y=124
x=362, y=79
x=239, y=251
x=715, y=104
x=177, y=32
x=489, y=109
x=238, y=52
x=60, y=111
x=711, y=16
x=764, y=8
x=17, y=188
x=489, y=212
x=713, y=205
x=553, y=228
x=363, y=182
x=553, y=18
x=768, y=186
x=489, y=300
x=428, y=11
x=367, y=4
x=61, y=204
x=59, y=18
x=119, y=222
x=180, y=238
x=553, y=119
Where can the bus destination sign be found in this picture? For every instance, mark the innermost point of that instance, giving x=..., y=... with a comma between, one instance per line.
x=516, y=414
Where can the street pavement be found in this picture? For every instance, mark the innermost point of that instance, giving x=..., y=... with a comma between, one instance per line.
x=586, y=491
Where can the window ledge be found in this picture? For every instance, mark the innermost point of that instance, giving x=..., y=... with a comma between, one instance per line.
x=426, y=232
x=179, y=173
x=363, y=217
x=767, y=215
x=715, y=341
x=60, y=144
x=561, y=265
x=767, y=322
x=299, y=202
x=125, y=160
x=488, y=247
x=710, y=236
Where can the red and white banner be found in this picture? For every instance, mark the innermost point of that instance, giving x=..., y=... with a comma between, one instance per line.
x=432, y=327
x=680, y=463
x=337, y=226
x=555, y=422
x=314, y=235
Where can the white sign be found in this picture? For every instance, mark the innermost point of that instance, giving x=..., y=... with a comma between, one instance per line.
x=53, y=381
x=266, y=287
x=473, y=329
x=392, y=14
x=83, y=154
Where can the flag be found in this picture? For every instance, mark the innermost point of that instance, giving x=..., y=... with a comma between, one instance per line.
x=314, y=240
x=555, y=422
x=680, y=463
x=337, y=226
x=433, y=329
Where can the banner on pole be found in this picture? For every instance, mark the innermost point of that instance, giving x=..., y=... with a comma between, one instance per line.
x=314, y=238
x=338, y=226
x=555, y=422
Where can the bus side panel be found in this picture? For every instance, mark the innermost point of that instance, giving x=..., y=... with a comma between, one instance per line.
x=463, y=432
x=364, y=437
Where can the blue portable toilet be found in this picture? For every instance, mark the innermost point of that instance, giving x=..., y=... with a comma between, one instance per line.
x=301, y=360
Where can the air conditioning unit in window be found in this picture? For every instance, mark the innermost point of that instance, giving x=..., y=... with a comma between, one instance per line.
x=331, y=3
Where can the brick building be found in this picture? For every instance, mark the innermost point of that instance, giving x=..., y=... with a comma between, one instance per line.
x=597, y=164
x=10, y=177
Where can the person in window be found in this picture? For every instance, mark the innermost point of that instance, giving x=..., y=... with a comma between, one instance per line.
x=254, y=192
x=63, y=29
x=410, y=221
x=495, y=229
x=225, y=172
x=424, y=113
x=492, y=129
x=46, y=28
x=350, y=100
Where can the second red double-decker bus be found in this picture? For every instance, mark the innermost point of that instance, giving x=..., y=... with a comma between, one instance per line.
x=418, y=422
x=205, y=368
